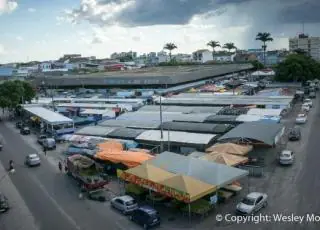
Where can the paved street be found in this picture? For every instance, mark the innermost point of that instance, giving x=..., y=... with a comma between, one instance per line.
x=51, y=197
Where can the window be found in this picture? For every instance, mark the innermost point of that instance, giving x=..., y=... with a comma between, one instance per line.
x=275, y=106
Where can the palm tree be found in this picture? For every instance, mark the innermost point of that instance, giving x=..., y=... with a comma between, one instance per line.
x=229, y=46
x=170, y=47
x=264, y=38
x=213, y=45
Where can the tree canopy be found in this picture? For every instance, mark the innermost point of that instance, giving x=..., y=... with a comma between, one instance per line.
x=13, y=93
x=229, y=46
x=298, y=67
x=170, y=47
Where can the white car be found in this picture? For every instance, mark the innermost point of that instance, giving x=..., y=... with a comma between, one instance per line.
x=301, y=118
x=308, y=101
x=286, y=157
x=305, y=107
x=252, y=203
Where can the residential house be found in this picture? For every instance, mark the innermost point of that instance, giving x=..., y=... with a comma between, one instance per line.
x=183, y=57
x=244, y=57
x=162, y=57
x=202, y=56
x=224, y=57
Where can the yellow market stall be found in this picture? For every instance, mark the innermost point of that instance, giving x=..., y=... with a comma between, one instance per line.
x=230, y=148
x=225, y=158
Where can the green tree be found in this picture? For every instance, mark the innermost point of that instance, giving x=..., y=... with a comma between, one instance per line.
x=229, y=46
x=13, y=93
x=213, y=45
x=257, y=65
x=264, y=38
x=170, y=47
x=298, y=67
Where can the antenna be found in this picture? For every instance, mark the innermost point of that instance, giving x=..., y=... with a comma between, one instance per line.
x=303, y=27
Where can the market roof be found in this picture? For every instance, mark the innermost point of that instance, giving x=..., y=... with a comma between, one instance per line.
x=131, y=124
x=196, y=127
x=169, y=75
x=225, y=158
x=265, y=112
x=48, y=115
x=166, y=116
x=257, y=131
x=95, y=131
x=230, y=148
x=125, y=133
x=182, y=109
x=224, y=119
x=205, y=171
x=176, y=137
x=108, y=113
x=186, y=184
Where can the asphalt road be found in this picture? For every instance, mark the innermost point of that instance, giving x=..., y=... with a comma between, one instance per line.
x=52, y=197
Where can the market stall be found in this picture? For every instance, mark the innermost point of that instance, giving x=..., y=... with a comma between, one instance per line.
x=230, y=148
x=225, y=158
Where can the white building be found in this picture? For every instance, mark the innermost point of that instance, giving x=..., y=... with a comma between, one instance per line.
x=183, y=57
x=224, y=58
x=202, y=56
x=310, y=45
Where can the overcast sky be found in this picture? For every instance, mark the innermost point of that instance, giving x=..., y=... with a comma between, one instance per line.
x=45, y=30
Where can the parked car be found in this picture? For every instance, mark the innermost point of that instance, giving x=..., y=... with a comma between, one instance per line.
x=294, y=134
x=49, y=143
x=286, y=157
x=4, y=203
x=308, y=101
x=312, y=94
x=301, y=118
x=41, y=138
x=25, y=131
x=252, y=203
x=33, y=160
x=19, y=125
x=125, y=204
x=145, y=216
x=97, y=195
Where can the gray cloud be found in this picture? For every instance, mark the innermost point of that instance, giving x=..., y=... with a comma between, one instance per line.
x=150, y=12
x=180, y=12
x=306, y=11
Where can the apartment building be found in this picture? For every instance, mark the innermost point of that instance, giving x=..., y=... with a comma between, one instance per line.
x=310, y=45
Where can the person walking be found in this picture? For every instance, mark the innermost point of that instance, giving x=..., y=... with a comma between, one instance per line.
x=45, y=151
x=60, y=166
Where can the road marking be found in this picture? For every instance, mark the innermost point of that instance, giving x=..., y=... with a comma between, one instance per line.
x=69, y=218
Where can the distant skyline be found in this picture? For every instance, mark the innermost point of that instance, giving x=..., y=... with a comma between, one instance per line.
x=45, y=30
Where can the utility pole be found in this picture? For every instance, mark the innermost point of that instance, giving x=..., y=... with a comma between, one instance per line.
x=161, y=128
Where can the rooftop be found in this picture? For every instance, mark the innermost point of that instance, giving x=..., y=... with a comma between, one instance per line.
x=169, y=75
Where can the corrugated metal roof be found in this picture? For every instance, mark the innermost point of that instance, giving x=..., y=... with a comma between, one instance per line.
x=131, y=124
x=195, y=127
x=166, y=116
x=221, y=119
x=95, y=131
x=264, y=132
x=48, y=115
x=176, y=137
x=265, y=112
x=203, y=170
x=182, y=109
x=125, y=133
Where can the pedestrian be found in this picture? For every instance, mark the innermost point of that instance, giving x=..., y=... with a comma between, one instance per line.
x=66, y=168
x=60, y=166
x=80, y=196
x=45, y=151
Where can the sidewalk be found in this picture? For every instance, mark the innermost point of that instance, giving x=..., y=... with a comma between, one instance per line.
x=19, y=216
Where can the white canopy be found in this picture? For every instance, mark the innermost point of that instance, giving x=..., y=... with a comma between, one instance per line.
x=48, y=116
x=263, y=73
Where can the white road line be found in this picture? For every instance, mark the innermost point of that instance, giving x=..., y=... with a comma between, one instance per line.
x=69, y=218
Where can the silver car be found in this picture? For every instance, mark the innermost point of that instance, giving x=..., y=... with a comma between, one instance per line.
x=286, y=157
x=33, y=160
x=252, y=203
x=125, y=204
